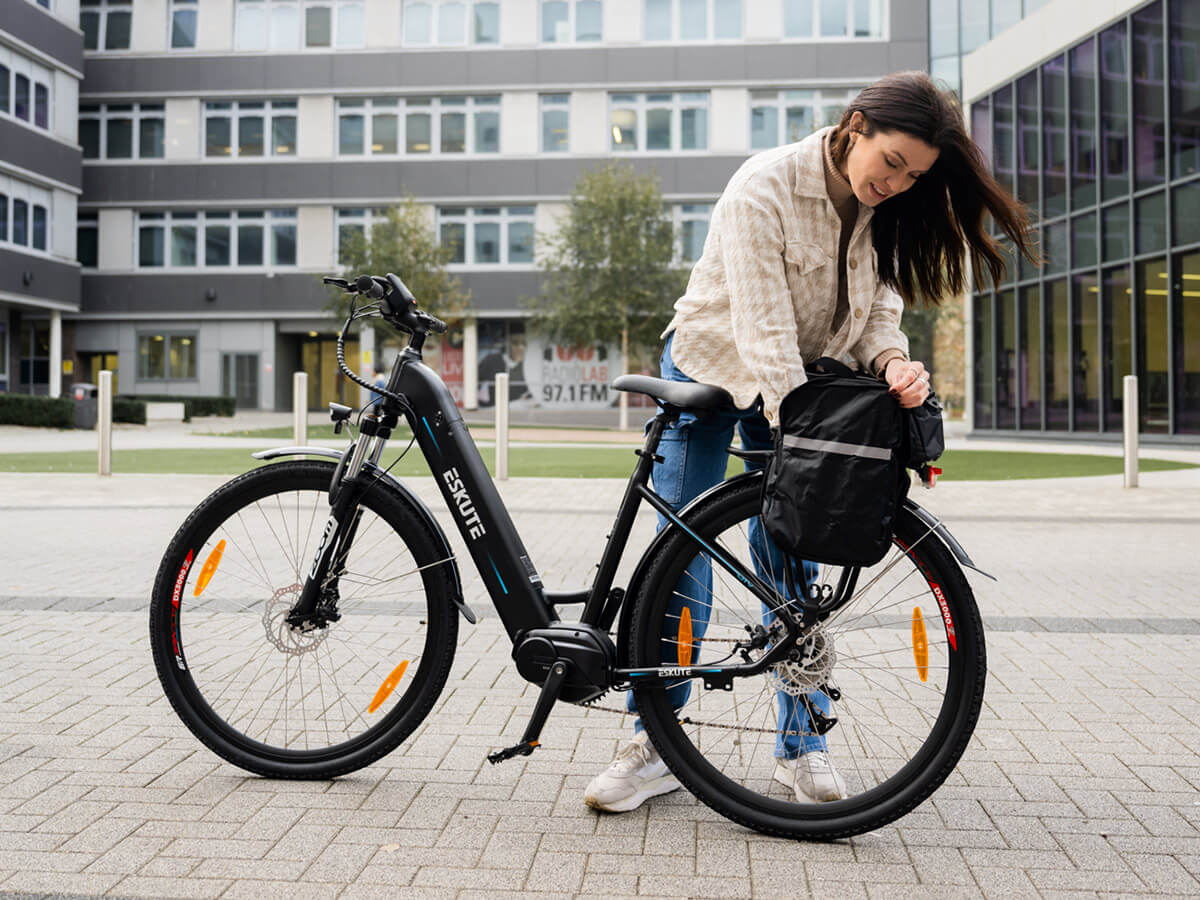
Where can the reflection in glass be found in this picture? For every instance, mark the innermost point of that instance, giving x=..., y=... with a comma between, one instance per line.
x=1150, y=214
x=833, y=18
x=1085, y=367
x=1083, y=241
x=1054, y=248
x=943, y=27
x=1006, y=359
x=1115, y=220
x=250, y=136
x=694, y=129
x=216, y=245
x=1002, y=136
x=487, y=23
x=250, y=245
x=658, y=129
x=350, y=134
x=588, y=20
x=1151, y=329
x=1054, y=137
x=454, y=132
x=693, y=20
x=487, y=242
x=1029, y=364
x=283, y=135
x=975, y=25
x=1117, y=306
x=797, y=18
x=1149, y=148
x=487, y=132
x=981, y=127
x=116, y=30
x=554, y=130
x=151, y=134
x=1185, y=87
x=764, y=127
x=1185, y=213
x=1058, y=356
x=983, y=377
x=1187, y=342
x=1114, y=112
x=1083, y=124
x=1029, y=146
x=520, y=242
x=183, y=245
x=554, y=22
x=418, y=132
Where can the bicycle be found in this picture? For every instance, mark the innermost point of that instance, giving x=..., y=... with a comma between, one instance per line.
x=305, y=616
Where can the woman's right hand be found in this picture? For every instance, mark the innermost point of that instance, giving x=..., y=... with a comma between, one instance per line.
x=908, y=380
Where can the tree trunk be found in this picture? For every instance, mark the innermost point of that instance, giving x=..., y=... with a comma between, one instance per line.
x=623, y=398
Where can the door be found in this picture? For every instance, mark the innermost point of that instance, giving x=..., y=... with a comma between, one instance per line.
x=92, y=364
x=326, y=383
x=239, y=378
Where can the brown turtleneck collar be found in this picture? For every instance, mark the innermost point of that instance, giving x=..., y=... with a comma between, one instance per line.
x=840, y=192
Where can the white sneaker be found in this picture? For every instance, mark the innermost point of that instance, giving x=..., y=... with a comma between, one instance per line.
x=637, y=774
x=812, y=777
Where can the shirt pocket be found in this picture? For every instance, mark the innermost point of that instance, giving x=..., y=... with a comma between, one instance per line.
x=807, y=267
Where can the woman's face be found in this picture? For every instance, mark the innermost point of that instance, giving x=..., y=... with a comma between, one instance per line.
x=884, y=163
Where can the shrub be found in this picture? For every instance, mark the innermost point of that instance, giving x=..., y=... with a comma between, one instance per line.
x=40, y=412
x=192, y=406
x=126, y=409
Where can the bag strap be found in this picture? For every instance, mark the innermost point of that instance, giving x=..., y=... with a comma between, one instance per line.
x=827, y=365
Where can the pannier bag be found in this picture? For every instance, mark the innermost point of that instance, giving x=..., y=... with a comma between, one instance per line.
x=836, y=477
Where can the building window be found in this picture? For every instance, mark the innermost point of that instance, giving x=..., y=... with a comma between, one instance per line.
x=167, y=356
x=451, y=22
x=571, y=21
x=838, y=20
x=488, y=235
x=656, y=123
x=217, y=239
x=24, y=215
x=296, y=24
x=355, y=223
x=691, y=229
x=122, y=131
x=556, y=121
x=87, y=239
x=692, y=20
x=25, y=91
x=246, y=129
x=392, y=126
x=105, y=24
x=784, y=117
x=183, y=24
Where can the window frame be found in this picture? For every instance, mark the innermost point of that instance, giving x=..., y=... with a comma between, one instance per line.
x=471, y=216
x=32, y=198
x=103, y=9
x=36, y=75
x=235, y=111
x=553, y=102
x=820, y=100
x=470, y=35
x=137, y=113
x=642, y=105
x=402, y=107
x=572, y=24
x=815, y=36
x=87, y=221
x=299, y=42
x=681, y=214
x=167, y=336
x=269, y=219
x=361, y=218
x=710, y=25
x=180, y=6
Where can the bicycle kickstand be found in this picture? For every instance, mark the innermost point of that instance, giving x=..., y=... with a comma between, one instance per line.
x=551, y=688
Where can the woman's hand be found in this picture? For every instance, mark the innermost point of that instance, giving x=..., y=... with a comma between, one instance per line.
x=909, y=382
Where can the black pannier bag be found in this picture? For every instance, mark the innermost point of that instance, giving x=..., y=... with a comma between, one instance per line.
x=836, y=477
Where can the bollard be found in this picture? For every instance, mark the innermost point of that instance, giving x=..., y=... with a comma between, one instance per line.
x=1130, y=414
x=104, y=413
x=300, y=409
x=623, y=411
x=501, y=396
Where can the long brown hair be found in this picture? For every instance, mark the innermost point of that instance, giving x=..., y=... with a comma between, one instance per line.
x=923, y=235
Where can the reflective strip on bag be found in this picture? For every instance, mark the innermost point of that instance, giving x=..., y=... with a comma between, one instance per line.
x=803, y=443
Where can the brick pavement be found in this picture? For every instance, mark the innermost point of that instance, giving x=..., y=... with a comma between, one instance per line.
x=1083, y=777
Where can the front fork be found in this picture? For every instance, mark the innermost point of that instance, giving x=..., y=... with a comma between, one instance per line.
x=317, y=604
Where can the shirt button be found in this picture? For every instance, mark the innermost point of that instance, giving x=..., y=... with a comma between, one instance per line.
x=858, y=314
x=854, y=263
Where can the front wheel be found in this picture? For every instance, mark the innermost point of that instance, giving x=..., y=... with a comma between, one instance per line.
x=894, y=677
x=276, y=700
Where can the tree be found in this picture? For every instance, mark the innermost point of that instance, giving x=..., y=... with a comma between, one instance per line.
x=610, y=268
x=403, y=243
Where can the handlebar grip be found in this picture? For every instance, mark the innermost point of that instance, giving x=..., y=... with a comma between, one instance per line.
x=436, y=325
x=365, y=284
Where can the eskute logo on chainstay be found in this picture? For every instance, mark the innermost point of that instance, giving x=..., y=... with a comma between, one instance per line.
x=463, y=502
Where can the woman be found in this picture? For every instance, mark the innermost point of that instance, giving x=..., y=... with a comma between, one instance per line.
x=811, y=249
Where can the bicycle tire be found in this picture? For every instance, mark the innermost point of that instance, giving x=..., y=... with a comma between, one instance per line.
x=739, y=788
x=196, y=629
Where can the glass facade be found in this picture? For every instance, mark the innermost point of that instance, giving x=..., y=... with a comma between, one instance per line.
x=956, y=27
x=1102, y=143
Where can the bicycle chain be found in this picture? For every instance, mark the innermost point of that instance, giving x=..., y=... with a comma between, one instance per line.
x=688, y=720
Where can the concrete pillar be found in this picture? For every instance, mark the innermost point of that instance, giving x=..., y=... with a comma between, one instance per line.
x=55, y=354
x=471, y=364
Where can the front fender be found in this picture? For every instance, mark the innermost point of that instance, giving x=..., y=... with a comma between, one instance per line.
x=406, y=496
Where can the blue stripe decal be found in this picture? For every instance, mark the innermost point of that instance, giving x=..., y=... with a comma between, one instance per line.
x=725, y=564
x=434, y=439
x=498, y=578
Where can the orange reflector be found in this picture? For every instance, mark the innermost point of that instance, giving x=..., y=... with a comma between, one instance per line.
x=209, y=568
x=389, y=685
x=920, y=644
x=685, y=637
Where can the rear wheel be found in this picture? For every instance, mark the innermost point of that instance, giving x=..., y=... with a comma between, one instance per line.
x=901, y=667
x=277, y=701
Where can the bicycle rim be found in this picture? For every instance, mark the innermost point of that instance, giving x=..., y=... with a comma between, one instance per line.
x=900, y=667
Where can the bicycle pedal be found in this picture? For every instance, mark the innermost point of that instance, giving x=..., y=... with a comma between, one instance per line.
x=522, y=749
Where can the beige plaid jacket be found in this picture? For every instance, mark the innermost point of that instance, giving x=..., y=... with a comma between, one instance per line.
x=760, y=301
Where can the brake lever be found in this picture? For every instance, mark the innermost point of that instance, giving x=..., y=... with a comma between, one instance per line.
x=340, y=283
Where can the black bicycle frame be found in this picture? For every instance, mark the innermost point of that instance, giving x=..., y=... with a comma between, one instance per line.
x=491, y=537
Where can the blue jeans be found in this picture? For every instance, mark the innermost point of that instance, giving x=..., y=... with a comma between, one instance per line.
x=694, y=459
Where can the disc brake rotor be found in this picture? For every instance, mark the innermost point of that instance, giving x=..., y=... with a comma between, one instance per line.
x=282, y=636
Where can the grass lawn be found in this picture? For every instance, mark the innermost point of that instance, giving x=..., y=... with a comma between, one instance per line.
x=581, y=462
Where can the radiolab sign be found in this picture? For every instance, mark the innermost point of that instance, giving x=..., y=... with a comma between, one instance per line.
x=566, y=377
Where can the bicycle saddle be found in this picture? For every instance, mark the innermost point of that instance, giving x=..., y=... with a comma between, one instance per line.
x=681, y=394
